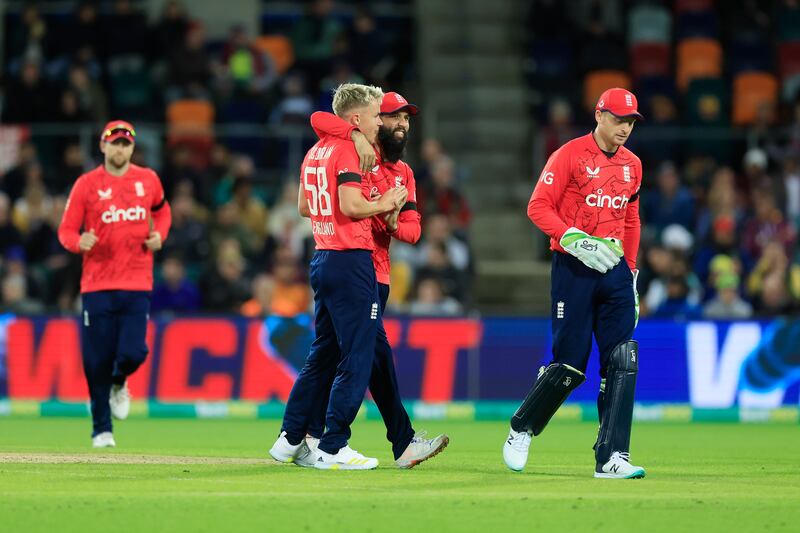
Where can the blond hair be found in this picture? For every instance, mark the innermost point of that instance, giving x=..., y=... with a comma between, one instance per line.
x=349, y=96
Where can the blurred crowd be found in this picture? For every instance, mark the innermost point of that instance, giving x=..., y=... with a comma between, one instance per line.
x=237, y=243
x=719, y=85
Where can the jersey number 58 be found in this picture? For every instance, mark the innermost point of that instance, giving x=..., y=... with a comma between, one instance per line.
x=320, y=201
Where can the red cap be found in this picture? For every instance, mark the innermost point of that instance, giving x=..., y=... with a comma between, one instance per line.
x=118, y=129
x=394, y=102
x=619, y=102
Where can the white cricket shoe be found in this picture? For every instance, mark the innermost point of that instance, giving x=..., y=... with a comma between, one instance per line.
x=515, y=450
x=285, y=452
x=312, y=443
x=103, y=440
x=619, y=467
x=120, y=401
x=421, y=449
x=346, y=459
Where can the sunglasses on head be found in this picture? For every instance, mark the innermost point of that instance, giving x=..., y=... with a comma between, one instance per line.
x=127, y=132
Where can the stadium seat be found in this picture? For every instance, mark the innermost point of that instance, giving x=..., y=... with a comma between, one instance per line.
x=598, y=81
x=696, y=24
x=550, y=58
x=789, y=59
x=649, y=24
x=751, y=90
x=702, y=95
x=279, y=48
x=649, y=59
x=748, y=55
x=698, y=58
x=131, y=87
x=191, y=123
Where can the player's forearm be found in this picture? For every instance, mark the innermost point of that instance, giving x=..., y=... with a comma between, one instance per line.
x=162, y=220
x=69, y=239
x=409, y=228
x=353, y=204
x=329, y=124
x=633, y=230
x=545, y=217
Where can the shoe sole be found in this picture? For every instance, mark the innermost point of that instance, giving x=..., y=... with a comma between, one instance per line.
x=639, y=474
x=437, y=451
x=285, y=461
x=340, y=466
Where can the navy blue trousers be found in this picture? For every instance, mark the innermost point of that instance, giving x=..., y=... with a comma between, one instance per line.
x=584, y=302
x=113, y=331
x=346, y=314
x=384, y=389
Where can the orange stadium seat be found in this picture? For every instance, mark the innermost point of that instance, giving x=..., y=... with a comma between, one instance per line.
x=279, y=49
x=698, y=58
x=789, y=59
x=649, y=59
x=598, y=81
x=751, y=90
x=191, y=123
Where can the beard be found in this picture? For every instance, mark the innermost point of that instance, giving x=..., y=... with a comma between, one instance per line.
x=392, y=147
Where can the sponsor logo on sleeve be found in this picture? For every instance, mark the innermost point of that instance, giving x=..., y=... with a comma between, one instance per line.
x=547, y=178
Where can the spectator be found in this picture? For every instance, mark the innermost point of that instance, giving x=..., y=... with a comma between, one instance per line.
x=82, y=34
x=676, y=305
x=260, y=305
x=774, y=283
x=92, y=100
x=190, y=67
x=29, y=98
x=228, y=226
x=671, y=203
x=35, y=204
x=296, y=106
x=9, y=234
x=766, y=225
x=285, y=225
x=245, y=66
x=175, y=293
x=727, y=304
x=442, y=197
x=438, y=231
x=721, y=200
x=723, y=241
x=171, y=29
x=15, y=299
x=559, y=129
x=29, y=39
x=252, y=211
x=430, y=300
x=438, y=265
x=188, y=234
x=223, y=287
x=125, y=31
x=291, y=295
x=314, y=39
x=13, y=183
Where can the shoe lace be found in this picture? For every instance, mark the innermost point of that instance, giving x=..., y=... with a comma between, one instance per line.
x=419, y=436
x=123, y=393
x=521, y=442
x=625, y=456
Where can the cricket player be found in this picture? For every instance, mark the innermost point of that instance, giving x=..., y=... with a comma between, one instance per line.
x=334, y=194
x=116, y=217
x=587, y=201
x=409, y=449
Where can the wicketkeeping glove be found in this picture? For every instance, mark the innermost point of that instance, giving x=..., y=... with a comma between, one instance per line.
x=594, y=252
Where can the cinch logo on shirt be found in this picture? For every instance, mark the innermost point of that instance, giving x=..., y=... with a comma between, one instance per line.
x=604, y=200
x=116, y=215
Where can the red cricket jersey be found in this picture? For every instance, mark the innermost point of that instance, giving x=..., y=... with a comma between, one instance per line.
x=383, y=176
x=329, y=164
x=120, y=210
x=582, y=187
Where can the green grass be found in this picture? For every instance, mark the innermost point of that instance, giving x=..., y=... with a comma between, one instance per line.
x=700, y=477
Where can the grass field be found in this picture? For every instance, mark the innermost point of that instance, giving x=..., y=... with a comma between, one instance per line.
x=176, y=475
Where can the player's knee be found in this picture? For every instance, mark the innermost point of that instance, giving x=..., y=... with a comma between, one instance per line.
x=133, y=357
x=625, y=357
